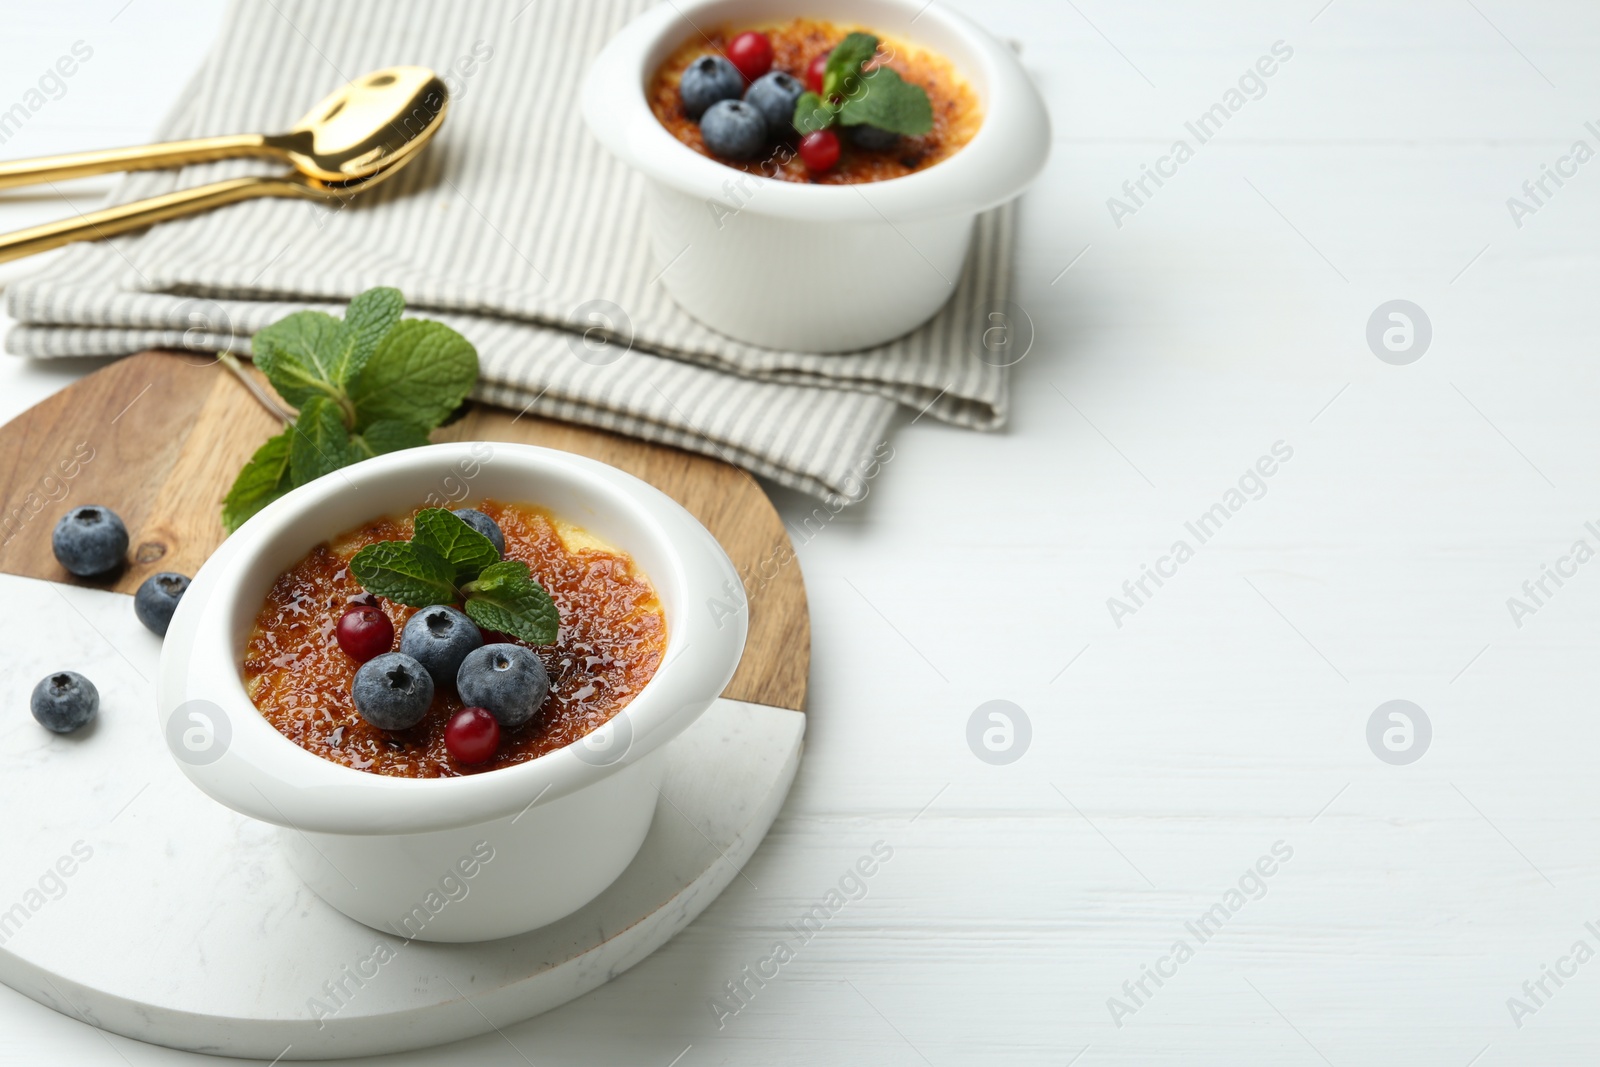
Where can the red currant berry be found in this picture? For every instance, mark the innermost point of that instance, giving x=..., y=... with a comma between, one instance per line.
x=471, y=735
x=365, y=632
x=751, y=52
x=815, y=70
x=820, y=150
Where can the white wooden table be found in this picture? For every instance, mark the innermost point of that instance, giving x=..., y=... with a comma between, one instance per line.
x=1228, y=714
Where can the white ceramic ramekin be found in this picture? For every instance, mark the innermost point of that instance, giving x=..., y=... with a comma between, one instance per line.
x=816, y=268
x=450, y=859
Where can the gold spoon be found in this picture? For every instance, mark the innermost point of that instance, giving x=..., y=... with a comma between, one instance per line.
x=108, y=222
x=353, y=132
x=421, y=125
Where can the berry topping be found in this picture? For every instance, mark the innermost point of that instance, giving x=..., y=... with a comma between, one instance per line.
x=439, y=638
x=733, y=129
x=815, y=70
x=364, y=632
x=775, y=96
x=157, y=599
x=873, y=138
x=706, y=81
x=751, y=52
x=509, y=680
x=392, y=691
x=64, y=702
x=484, y=525
x=89, y=541
x=819, y=150
x=471, y=735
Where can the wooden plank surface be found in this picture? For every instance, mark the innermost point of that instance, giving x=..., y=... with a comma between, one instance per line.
x=159, y=437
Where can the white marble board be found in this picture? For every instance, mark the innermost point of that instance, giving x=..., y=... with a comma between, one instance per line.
x=132, y=901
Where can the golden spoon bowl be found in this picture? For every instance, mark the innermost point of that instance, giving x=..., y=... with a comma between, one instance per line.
x=122, y=218
x=352, y=133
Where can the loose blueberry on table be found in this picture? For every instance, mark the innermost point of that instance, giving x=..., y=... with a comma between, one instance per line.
x=157, y=599
x=64, y=701
x=90, y=541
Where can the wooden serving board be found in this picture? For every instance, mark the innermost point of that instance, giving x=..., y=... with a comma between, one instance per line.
x=158, y=438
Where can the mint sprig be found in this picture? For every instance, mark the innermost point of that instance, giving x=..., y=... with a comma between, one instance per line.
x=264, y=479
x=854, y=97
x=405, y=572
x=841, y=76
x=890, y=103
x=364, y=385
x=506, y=598
x=447, y=561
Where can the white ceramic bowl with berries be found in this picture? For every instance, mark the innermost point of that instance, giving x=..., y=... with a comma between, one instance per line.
x=816, y=267
x=559, y=828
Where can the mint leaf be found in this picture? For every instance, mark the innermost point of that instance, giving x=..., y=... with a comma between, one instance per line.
x=404, y=572
x=842, y=75
x=420, y=372
x=506, y=598
x=387, y=435
x=370, y=315
x=811, y=113
x=264, y=479
x=392, y=380
x=310, y=353
x=318, y=441
x=889, y=103
x=446, y=559
x=465, y=549
x=297, y=354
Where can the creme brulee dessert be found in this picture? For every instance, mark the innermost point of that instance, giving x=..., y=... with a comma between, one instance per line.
x=520, y=634
x=813, y=101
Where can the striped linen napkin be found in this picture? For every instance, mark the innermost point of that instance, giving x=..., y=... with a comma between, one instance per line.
x=514, y=227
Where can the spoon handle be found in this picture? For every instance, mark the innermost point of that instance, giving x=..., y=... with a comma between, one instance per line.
x=108, y=222
x=139, y=157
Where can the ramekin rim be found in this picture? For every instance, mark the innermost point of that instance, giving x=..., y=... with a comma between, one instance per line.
x=1002, y=159
x=267, y=776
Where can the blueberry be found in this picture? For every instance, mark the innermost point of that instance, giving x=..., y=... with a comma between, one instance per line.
x=392, y=691
x=873, y=138
x=706, y=81
x=439, y=638
x=509, y=680
x=90, y=540
x=64, y=701
x=734, y=129
x=484, y=525
x=775, y=95
x=157, y=599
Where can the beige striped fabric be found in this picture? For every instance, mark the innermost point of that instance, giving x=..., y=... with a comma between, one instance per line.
x=514, y=227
